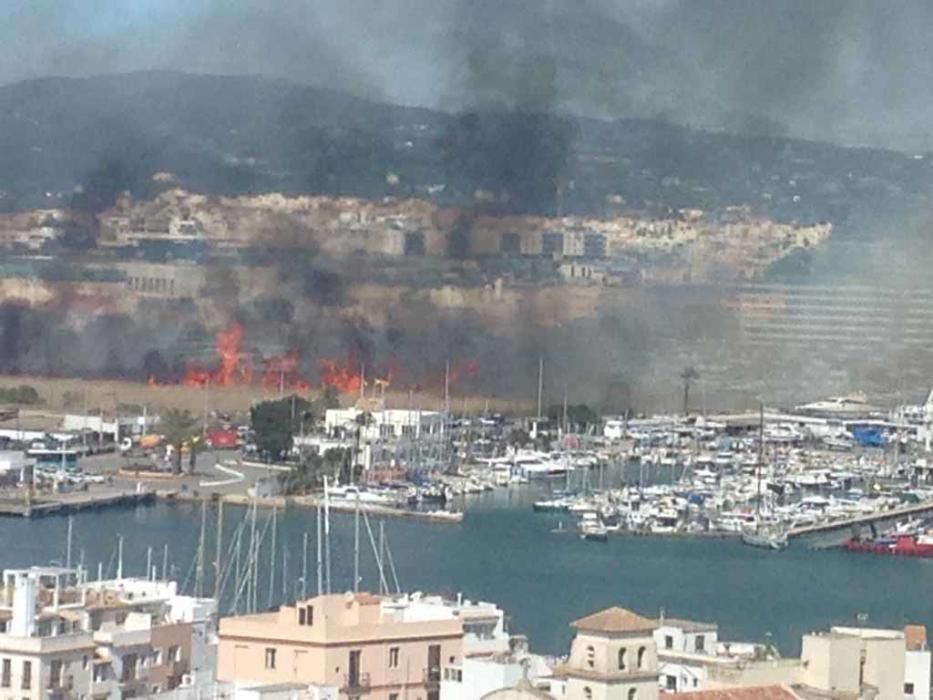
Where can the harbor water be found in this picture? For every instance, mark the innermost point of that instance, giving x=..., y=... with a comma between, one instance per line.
x=505, y=553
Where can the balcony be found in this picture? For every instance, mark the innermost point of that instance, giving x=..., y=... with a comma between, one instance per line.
x=432, y=675
x=356, y=683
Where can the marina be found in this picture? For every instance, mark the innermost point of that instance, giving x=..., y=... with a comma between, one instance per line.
x=503, y=551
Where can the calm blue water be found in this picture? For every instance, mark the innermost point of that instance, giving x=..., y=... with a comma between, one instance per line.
x=506, y=553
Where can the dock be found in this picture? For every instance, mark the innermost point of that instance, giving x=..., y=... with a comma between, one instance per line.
x=840, y=530
x=284, y=502
x=73, y=503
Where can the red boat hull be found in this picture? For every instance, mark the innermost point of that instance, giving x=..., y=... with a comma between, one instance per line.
x=902, y=546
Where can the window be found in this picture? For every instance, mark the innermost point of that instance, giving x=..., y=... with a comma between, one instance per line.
x=641, y=656
x=622, y=659
x=587, y=692
x=632, y=694
x=393, y=657
x=590, y=657
x=668, y=641
x=670, y=683
x=129, y=668
x=552, y=244
x=55, y=673
x=700, y=644
x=594, y=245
x=270, y=657
x=27, y=675
x=510, y=243
x=306, y=615
x=414, y=243
x=5, y=675
x=393, y=696
x=908, y=689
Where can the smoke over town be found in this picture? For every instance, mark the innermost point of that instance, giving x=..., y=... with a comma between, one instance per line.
x=621, y=191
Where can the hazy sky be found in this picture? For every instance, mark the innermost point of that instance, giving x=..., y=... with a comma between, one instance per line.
x=852, y=70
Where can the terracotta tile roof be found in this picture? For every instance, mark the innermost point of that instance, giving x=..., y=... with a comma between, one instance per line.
x=760, y=692
x=915, y=637
x=615, y=620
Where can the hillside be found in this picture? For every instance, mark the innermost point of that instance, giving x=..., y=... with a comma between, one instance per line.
x=81, y=141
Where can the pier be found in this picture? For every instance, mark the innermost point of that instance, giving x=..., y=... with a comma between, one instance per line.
x=836, y=532
x=73, y=503
x=285, y=502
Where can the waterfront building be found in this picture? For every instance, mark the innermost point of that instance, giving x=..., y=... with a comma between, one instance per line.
x=378, y=647
x=385, y=423
x=62, y=636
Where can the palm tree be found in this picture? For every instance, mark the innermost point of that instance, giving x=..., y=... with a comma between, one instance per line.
x=688, y=375
x=179, y=427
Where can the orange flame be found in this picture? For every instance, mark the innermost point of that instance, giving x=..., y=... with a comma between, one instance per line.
x=232, y=370
x=282, y=373
x=340, y=377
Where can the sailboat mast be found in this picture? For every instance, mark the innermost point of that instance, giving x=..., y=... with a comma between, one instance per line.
x=272, y=559
x=219, y=547
x=326, y=538
x=199, y=571
x=68, y=544
x=356, y=545
x=761, y=447
x=318, y=558
x=304, y=564
x=540, y=384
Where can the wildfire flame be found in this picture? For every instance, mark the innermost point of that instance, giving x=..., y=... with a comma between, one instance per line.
x=341, y=377
x=235, y=369
x=463, y=368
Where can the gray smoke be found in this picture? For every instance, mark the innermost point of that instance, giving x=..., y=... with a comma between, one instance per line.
x=851, y=70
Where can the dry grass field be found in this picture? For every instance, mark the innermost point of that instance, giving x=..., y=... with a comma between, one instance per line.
x=59, y=394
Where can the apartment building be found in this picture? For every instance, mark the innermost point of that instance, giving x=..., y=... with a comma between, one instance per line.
x=366, y=646
x=64, y=637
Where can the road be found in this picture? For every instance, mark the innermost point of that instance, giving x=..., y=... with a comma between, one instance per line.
x=217, y=471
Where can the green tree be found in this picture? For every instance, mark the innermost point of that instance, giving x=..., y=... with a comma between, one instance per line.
x=306, y=476
x=276, y=422
x=179, y=428
x=579, y=416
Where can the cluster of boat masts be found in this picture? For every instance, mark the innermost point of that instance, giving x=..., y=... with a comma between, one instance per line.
x=689, y=481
